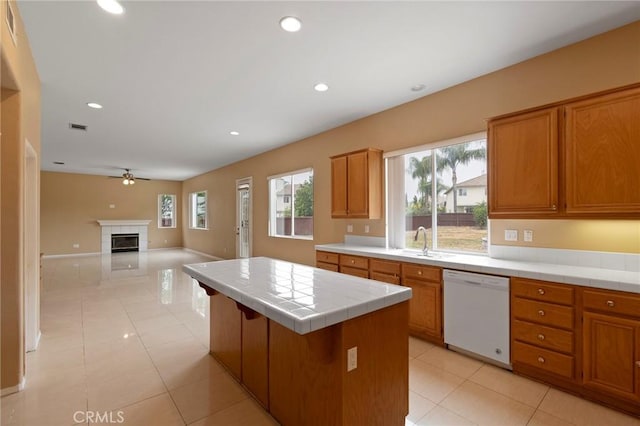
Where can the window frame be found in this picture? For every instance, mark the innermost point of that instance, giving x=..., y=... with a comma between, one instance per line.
x=174, y=212
x=395, y=222
x=272, y=213
x=193, y=213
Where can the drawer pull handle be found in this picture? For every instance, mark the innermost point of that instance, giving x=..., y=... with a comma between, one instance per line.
x=541, y=312
x=540, y=291
x=554, y=207
x=541, y=360
x=419, y=272
x=540, y=336
x=353, y=261
x=611, y=303
x=638, y=364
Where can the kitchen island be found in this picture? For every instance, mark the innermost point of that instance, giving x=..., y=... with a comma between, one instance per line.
x=312, y=346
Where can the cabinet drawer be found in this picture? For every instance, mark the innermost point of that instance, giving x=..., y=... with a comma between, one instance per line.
x=543, y=359
x=323, y=256
x=354, y=261
x=420, y=272
x=612, y=302
x=540, y=335
x=386, y=278
x=543, y=313
x=362, y=273
x=328, y=266
x=384, y=266
x=541, y=290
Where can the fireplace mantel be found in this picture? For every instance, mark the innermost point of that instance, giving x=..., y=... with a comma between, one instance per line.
x=128, y=226
x=133, y=222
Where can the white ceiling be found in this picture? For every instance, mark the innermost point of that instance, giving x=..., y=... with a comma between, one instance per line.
x=175, y=77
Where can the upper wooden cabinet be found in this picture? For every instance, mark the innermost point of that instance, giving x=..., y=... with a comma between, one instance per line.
x=602, y=144
x=523, y=163
x=356, y=185
x=572, y=159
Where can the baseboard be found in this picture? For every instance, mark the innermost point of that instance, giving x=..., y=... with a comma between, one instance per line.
x=202, y=254
x=13, y=389
x=52, y=256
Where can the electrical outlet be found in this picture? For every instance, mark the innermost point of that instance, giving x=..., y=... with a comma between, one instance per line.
x=352, y=358
x=76, y=245
x=349, y=228
x=527, y=235
x=165, y=241
x=112, y=206
x=511, y=235
x=366, y=229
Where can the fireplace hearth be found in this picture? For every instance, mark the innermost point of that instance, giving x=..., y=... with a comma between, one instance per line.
x=124, y=242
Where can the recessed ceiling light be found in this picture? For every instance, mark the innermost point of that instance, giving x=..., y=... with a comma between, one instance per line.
x=94, y=105
x=59, y=163
x=111, y=6
x=417, y=87
x=234, y=133
x=290, y=24
x=321, y=87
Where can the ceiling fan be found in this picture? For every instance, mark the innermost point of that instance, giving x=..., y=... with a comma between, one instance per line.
x=128, y=178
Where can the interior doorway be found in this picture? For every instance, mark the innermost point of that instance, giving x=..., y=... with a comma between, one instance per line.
x=244, y=213
x=31, y=270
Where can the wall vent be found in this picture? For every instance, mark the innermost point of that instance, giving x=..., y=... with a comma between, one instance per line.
x=76, y=126
x=11, y=22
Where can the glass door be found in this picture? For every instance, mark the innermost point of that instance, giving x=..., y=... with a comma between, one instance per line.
x=243, y=218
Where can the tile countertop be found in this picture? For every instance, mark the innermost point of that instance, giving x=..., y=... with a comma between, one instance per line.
x=579, y=275
x=299, y=297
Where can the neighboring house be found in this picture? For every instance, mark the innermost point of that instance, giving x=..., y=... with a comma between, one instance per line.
x=283, y=197
x=470, y=193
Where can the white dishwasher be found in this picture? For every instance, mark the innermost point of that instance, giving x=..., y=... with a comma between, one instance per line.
x=476, y=315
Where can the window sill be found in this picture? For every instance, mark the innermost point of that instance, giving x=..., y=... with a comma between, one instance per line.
x=198, y=229
x=293, y=237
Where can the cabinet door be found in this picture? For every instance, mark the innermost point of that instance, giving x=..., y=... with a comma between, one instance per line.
x=603, y=153
x=612, y=355
x=523, y=164
x=339, y=187
x=358, y=184
x=425, y=308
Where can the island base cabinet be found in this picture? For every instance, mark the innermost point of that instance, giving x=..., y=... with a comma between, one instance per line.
x=225, y=333
x=255, y=352
x=309, y=381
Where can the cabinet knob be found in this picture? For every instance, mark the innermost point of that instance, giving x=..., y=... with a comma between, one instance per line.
x=554, y=207
x=540, y=336
x=541, y=360
x=541, y=312
x=353, y=261
x=611, y=303
x=419, y=272
x=540, y=291
x=638, y=364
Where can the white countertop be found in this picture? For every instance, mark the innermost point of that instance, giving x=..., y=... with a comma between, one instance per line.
x=579, y=275
x=299, y=297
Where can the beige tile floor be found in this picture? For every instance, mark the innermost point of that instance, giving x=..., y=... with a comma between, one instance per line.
x=127, y=335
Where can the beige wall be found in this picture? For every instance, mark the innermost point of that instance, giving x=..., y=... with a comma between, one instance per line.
x=72, y=203
x=20, y=122
x=605, y=61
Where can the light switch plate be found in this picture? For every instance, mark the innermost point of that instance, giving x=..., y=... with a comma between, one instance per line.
x=352, y=358
x=366, y=229
x=527, y=235
x=511, y=235
x=349, y=228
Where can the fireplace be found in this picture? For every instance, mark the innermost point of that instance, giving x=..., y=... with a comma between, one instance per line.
x=124, y=242
x=130, y=226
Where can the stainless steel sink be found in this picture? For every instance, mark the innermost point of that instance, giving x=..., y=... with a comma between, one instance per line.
x=431, y=254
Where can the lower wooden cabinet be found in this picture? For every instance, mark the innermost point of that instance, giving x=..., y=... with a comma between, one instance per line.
x=255, y=355
x=225, y=333
x=354, y=265
x=384, y=270
x=425, y=306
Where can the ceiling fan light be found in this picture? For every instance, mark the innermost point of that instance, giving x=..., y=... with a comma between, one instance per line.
x=111, y=6
x=125, y=181
x=131, y=181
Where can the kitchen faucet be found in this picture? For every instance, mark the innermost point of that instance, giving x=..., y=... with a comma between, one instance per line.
x=425, y=249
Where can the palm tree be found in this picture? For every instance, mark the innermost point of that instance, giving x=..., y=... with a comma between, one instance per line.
x=422, y=170
x=452, y=157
